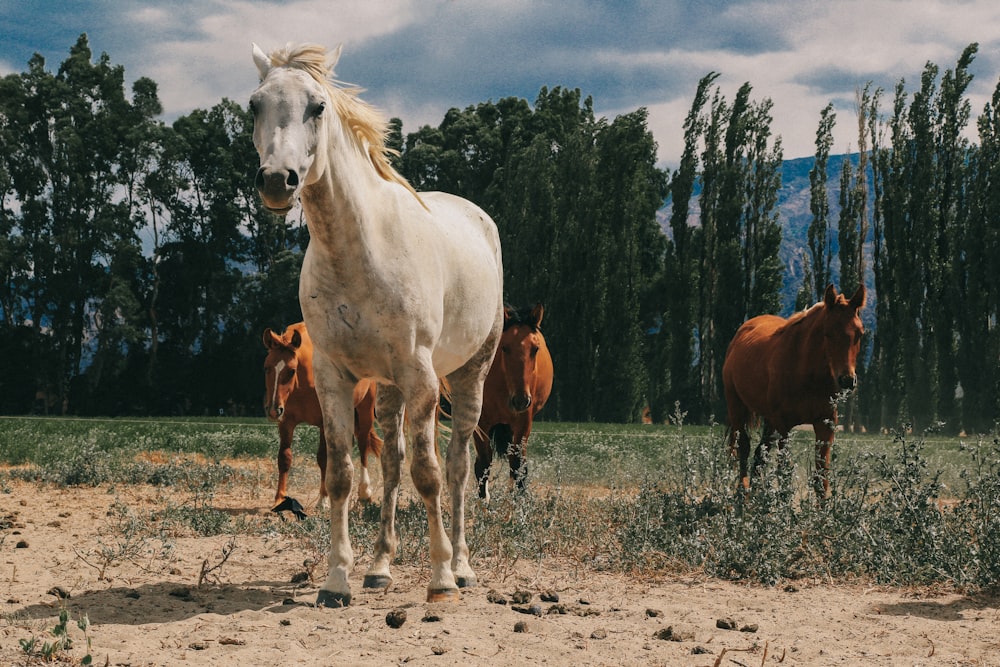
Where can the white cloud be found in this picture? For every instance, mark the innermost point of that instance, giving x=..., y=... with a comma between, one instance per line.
x=199, y=71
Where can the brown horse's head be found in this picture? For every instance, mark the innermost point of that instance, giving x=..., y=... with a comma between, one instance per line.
x=281, y=367
x=842, y=331
x=519, y=345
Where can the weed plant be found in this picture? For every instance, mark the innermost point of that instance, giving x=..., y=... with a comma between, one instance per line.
x=904, y=509
x=58, y=649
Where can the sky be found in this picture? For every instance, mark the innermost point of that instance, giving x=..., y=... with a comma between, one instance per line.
x=418, y=58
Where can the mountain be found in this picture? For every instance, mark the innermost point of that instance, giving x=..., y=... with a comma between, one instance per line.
x=794, y=216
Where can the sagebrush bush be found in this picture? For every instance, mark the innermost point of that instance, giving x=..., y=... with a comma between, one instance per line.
x=903, y=510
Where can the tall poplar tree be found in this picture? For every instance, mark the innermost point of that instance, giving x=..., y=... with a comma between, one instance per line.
x=818, y=234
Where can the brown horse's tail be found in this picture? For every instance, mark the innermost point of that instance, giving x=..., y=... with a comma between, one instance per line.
x=375, y=443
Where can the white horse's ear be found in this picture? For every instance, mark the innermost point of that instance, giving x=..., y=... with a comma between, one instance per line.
x=261, y=60
x=333, y=57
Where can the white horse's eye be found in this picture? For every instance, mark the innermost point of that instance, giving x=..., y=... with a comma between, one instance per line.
x=319, y=109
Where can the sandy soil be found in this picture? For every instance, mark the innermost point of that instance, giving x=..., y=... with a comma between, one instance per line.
x=248, y=611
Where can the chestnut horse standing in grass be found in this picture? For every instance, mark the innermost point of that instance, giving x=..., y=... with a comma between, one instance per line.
x=517, y=387
x=790, y=372
x=290, y=399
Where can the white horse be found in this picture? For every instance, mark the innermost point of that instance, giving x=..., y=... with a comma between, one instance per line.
x=395, y=286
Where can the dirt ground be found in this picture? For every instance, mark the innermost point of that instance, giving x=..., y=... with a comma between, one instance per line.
x=248, y=611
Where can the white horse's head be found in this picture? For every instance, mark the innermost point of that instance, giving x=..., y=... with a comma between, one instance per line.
x=291, y=121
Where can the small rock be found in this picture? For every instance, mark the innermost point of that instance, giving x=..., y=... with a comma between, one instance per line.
x=791, y=589
x=438, y=650
x=54, y=524
x=599, y=633
x=672, y=634
x=299, y=577
x=198, y=646
x=395, y=618
x=285, y=621
x=495, y=598
x=549, y=596
x=654, y=613
x=534, y=610
x=558, y=609
x=288, y=602
x=431, y=618
x=726, y=624
x=584, y=601
x=699, y=650
x=749, y=627
x=586, y=611
x=13, y=600
x=520, y=597
x=521, y=626
x=59, y=591
x=21, y=544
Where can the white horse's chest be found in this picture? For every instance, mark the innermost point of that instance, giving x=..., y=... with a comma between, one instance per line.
x=370, y=322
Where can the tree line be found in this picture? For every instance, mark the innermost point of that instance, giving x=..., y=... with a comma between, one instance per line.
x=139, y=268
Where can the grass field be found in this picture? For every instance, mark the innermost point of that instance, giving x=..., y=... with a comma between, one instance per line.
x=908, y=509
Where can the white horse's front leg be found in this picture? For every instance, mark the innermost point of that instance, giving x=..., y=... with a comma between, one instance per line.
x=339, y=429
x=390, y=417
x=421, y=407
x=466, y=407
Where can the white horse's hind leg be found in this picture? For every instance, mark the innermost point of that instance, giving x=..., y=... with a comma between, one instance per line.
x=466, y=406
x=390, y=417
x=336, y=590
x=421, y=408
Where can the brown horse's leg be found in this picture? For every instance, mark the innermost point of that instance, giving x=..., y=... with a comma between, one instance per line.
x=743, y=454
x=484, y=457
x=285, y=432
x=824, y=446
x=763, y=452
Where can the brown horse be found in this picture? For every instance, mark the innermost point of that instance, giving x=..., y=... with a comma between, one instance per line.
x=516, y=388
x=790, y=372
x=291, y=399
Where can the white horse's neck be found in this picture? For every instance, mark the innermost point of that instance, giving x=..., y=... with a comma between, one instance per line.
x=342, y=206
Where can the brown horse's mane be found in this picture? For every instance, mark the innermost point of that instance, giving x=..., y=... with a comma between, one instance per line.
x=522, y=317
x=811, y=312
x=368, y=127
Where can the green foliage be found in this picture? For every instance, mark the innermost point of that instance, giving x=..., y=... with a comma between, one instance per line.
x=139, y=269
x=904, y=510
x=59, y=647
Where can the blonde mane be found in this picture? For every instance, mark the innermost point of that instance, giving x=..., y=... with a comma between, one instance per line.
x=367, y=126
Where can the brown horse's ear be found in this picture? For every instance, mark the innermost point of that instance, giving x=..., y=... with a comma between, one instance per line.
x=270, y=338
x=536, y=314
x=830, y=296
x=296, y=339
x=858, y=300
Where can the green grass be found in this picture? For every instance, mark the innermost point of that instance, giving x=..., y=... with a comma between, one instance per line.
x=906, y=509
